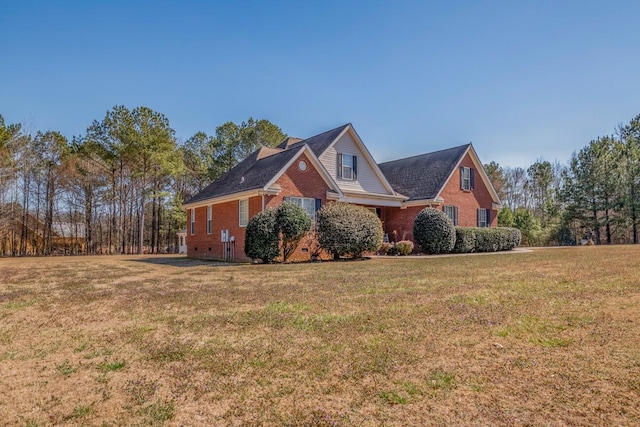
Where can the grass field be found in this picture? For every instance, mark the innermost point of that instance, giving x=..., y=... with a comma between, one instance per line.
x=550, y=337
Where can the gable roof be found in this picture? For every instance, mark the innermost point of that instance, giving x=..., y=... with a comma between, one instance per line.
x=422, y=177
x=250, y=174
x=318, y=143
x=258, y=172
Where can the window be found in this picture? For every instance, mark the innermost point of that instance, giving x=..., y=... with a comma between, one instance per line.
x=193, y=222
x=452, y=213
x=308, y=204
x=209, y=208
x=243, y=212
x=484, y=217
x=466, y=178
x=347, y=166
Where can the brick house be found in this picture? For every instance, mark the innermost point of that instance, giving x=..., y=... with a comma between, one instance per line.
x=336, y=166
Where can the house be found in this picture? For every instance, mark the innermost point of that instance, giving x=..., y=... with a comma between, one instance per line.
x=337, y=166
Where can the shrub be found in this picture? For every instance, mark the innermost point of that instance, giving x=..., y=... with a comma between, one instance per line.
x=496, y=239
x=292, y=223
x=402, y=248
x=261, y=237
x=465, y=240
x=433, y=231
x=516, y=238
x=384, y=248
x=348, y=229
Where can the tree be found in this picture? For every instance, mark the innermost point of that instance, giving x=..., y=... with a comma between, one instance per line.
x=233, y=143
x=505, y=217
x=630, y=163
x=496, y=176
x=592, y=186
x=540, y=179
x=525, y=221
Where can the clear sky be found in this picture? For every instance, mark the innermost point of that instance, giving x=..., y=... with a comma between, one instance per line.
x=522, y=80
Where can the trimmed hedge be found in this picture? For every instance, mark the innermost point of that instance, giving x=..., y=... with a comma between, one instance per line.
x=474, y=239
x=344, y=229
x=465, y=240
x=434, y=232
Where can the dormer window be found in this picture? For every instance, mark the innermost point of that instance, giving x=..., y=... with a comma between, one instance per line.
x=347, y=166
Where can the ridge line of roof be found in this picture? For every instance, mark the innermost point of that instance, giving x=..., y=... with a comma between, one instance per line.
x=424, y=154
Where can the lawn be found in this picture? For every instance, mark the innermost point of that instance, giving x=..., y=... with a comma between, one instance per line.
x=550, y=337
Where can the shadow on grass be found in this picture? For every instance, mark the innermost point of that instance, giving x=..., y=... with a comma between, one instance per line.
x=179, y=261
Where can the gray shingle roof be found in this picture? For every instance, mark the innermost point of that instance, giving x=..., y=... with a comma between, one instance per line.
x=250, y=174
x=421, y=177
x=319, y=143
x=258, y=172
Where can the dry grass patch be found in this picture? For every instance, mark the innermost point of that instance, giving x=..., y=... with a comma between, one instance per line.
x=543, y=338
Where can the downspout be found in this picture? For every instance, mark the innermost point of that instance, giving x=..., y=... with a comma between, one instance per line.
x=262, y=202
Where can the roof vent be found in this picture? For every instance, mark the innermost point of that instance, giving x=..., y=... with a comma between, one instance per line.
x=241, y=180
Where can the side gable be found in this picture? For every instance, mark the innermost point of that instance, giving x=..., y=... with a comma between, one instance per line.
x=422, y=177
x=479, y=173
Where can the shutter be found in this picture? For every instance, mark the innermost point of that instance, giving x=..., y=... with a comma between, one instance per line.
x=488, y=217
x=471, y=179
x=478, y=214
x=455, y=215
x=287, y=199
x=355, y=167
x=461, y=178
x=339, y=168
x=318, y=204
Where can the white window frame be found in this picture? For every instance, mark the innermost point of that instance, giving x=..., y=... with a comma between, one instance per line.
x=482, y=218
x=450, y=212
x=209, y=218
x=466, y=178
x=347, y=168
x=310, y=203
x=193, y=221
x=243, y=212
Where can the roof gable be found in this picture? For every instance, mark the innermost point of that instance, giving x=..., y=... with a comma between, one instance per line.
x=422, y=177
x=258, y=172
x=318, y=143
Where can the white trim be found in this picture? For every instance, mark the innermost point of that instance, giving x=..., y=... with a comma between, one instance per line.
x=240, y=224
x=423, y=202
x=366, y=154
x=376, y=201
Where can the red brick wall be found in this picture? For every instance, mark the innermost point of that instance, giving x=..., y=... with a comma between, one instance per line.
x=398, y=223
x=468, y=202
x=225, y=215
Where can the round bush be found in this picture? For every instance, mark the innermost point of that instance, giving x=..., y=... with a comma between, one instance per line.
x=344, y=229
x=261, y=236
x=434, y=232
x=293, y=223
x=402, y=248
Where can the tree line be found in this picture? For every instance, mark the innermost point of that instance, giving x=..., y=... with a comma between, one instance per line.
x=120, y=186
x=593, y=198
x=117, y=188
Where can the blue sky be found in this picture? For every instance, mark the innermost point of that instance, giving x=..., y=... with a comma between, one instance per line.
x=521, y=79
